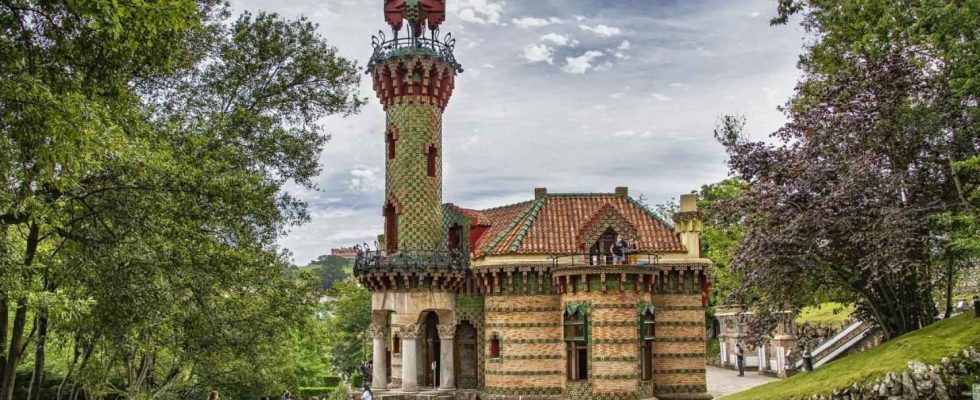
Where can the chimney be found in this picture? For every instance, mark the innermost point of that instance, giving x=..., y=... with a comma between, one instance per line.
x=540, y=192
x=688, y=223
x=622, y=191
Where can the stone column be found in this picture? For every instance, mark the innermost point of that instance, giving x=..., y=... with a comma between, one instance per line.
x=409, y=334
x=447, y=337
x=379, y=359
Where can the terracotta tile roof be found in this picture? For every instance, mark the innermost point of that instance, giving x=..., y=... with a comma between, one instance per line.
x=554, y=224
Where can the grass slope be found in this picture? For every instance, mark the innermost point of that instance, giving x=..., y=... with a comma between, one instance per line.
x=826, y=313
x=929, y=345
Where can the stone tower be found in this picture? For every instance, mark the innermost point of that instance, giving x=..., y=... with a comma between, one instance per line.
x=413, y=77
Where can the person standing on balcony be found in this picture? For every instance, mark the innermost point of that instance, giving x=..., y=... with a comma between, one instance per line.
x=617, y=249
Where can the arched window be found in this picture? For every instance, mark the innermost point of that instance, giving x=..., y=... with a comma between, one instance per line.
x=576, y=343
x=648, y=333
x=390, y=143
x=432, y=158
x=600, y=252
x=391, y=228
x=495, y=345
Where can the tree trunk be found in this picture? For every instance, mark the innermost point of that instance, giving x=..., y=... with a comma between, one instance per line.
x=10, y=368
x=34, y=391
x=949, y=289
x=4, y=319
x=20, y=320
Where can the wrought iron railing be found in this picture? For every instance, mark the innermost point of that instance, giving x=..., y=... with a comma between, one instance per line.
x=633, y=259
x=368, y=260
x=424, y=46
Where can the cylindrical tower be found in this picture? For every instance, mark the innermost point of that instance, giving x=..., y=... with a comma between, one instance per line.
x=413, y=77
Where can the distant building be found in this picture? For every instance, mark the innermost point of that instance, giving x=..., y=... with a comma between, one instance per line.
x=345, y=252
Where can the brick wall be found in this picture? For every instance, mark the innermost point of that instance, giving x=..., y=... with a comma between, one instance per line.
x=529, y=328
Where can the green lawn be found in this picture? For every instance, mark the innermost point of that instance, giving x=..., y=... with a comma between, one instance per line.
x=826, y=313
x=929, y=345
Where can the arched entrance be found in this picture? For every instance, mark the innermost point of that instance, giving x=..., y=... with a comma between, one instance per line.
x=466, y=353
x=432, y=362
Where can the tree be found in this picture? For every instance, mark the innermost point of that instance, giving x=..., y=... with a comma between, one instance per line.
x=848, y=200
x=142, y=167
x=330, y=269
x=348, y=326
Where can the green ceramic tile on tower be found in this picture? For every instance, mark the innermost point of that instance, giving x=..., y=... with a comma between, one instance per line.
x=407, y=183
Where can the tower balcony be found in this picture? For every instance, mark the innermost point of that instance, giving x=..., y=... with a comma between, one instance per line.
x=413, y=48
x=380, y=260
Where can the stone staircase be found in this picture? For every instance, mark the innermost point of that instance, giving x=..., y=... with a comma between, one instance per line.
x=847, y=339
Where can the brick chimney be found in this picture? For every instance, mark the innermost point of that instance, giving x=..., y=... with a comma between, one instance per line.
x=540, y=192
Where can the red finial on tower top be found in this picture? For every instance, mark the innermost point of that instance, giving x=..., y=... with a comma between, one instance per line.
x=418, y=13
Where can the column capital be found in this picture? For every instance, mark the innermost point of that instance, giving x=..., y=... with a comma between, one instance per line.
x=447, y=331
x=377, y=331
x=410, y=331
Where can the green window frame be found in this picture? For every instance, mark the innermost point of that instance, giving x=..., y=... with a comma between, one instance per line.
x=576, y=335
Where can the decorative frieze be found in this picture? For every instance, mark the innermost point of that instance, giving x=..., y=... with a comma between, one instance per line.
x=667, y=339
x=616, y=359
x=524, y=373
x=680, y=323
x=679, y=371
x=679, y=355
x=620, y=377
x=523, y=391
x=534, y=357
x=673, y=389
x=614, y=323
x=523, y=325
x=531, y=341
x=523, y=309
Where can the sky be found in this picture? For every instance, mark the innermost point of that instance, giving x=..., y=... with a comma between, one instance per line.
x=571, y=95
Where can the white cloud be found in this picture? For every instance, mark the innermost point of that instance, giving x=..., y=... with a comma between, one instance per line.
x=625, y=45
x=661, y=97
x=581, y=64
x=560, y=40
x=616, y=96
x=365, y=180
x=626, y=133
x=755, y=14
x=602, y=30
x=481, y=12
x=532, y=22
x=488, y=66
x=538, y=53
x=579, y=18
x=677, y=85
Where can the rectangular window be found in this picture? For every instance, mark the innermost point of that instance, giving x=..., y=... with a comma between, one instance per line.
x=495, y=346
x=576, y=345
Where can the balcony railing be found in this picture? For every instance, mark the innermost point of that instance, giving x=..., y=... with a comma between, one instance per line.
x=634, y=259
x=415, y=46
x=372, y=260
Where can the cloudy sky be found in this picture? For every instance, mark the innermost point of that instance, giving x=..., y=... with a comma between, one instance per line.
x=572, y=95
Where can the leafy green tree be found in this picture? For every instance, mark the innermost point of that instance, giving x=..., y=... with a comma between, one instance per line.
x=849, y=201
x=144, y=154
x=348, y=343
x=330, y=269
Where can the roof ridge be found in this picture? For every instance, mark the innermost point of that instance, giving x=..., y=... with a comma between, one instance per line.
x=510, y=227
x=535, y=209
x=649, y=212
x=503, y=206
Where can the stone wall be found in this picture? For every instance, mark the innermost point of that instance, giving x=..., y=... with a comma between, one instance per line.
x=945, y=380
